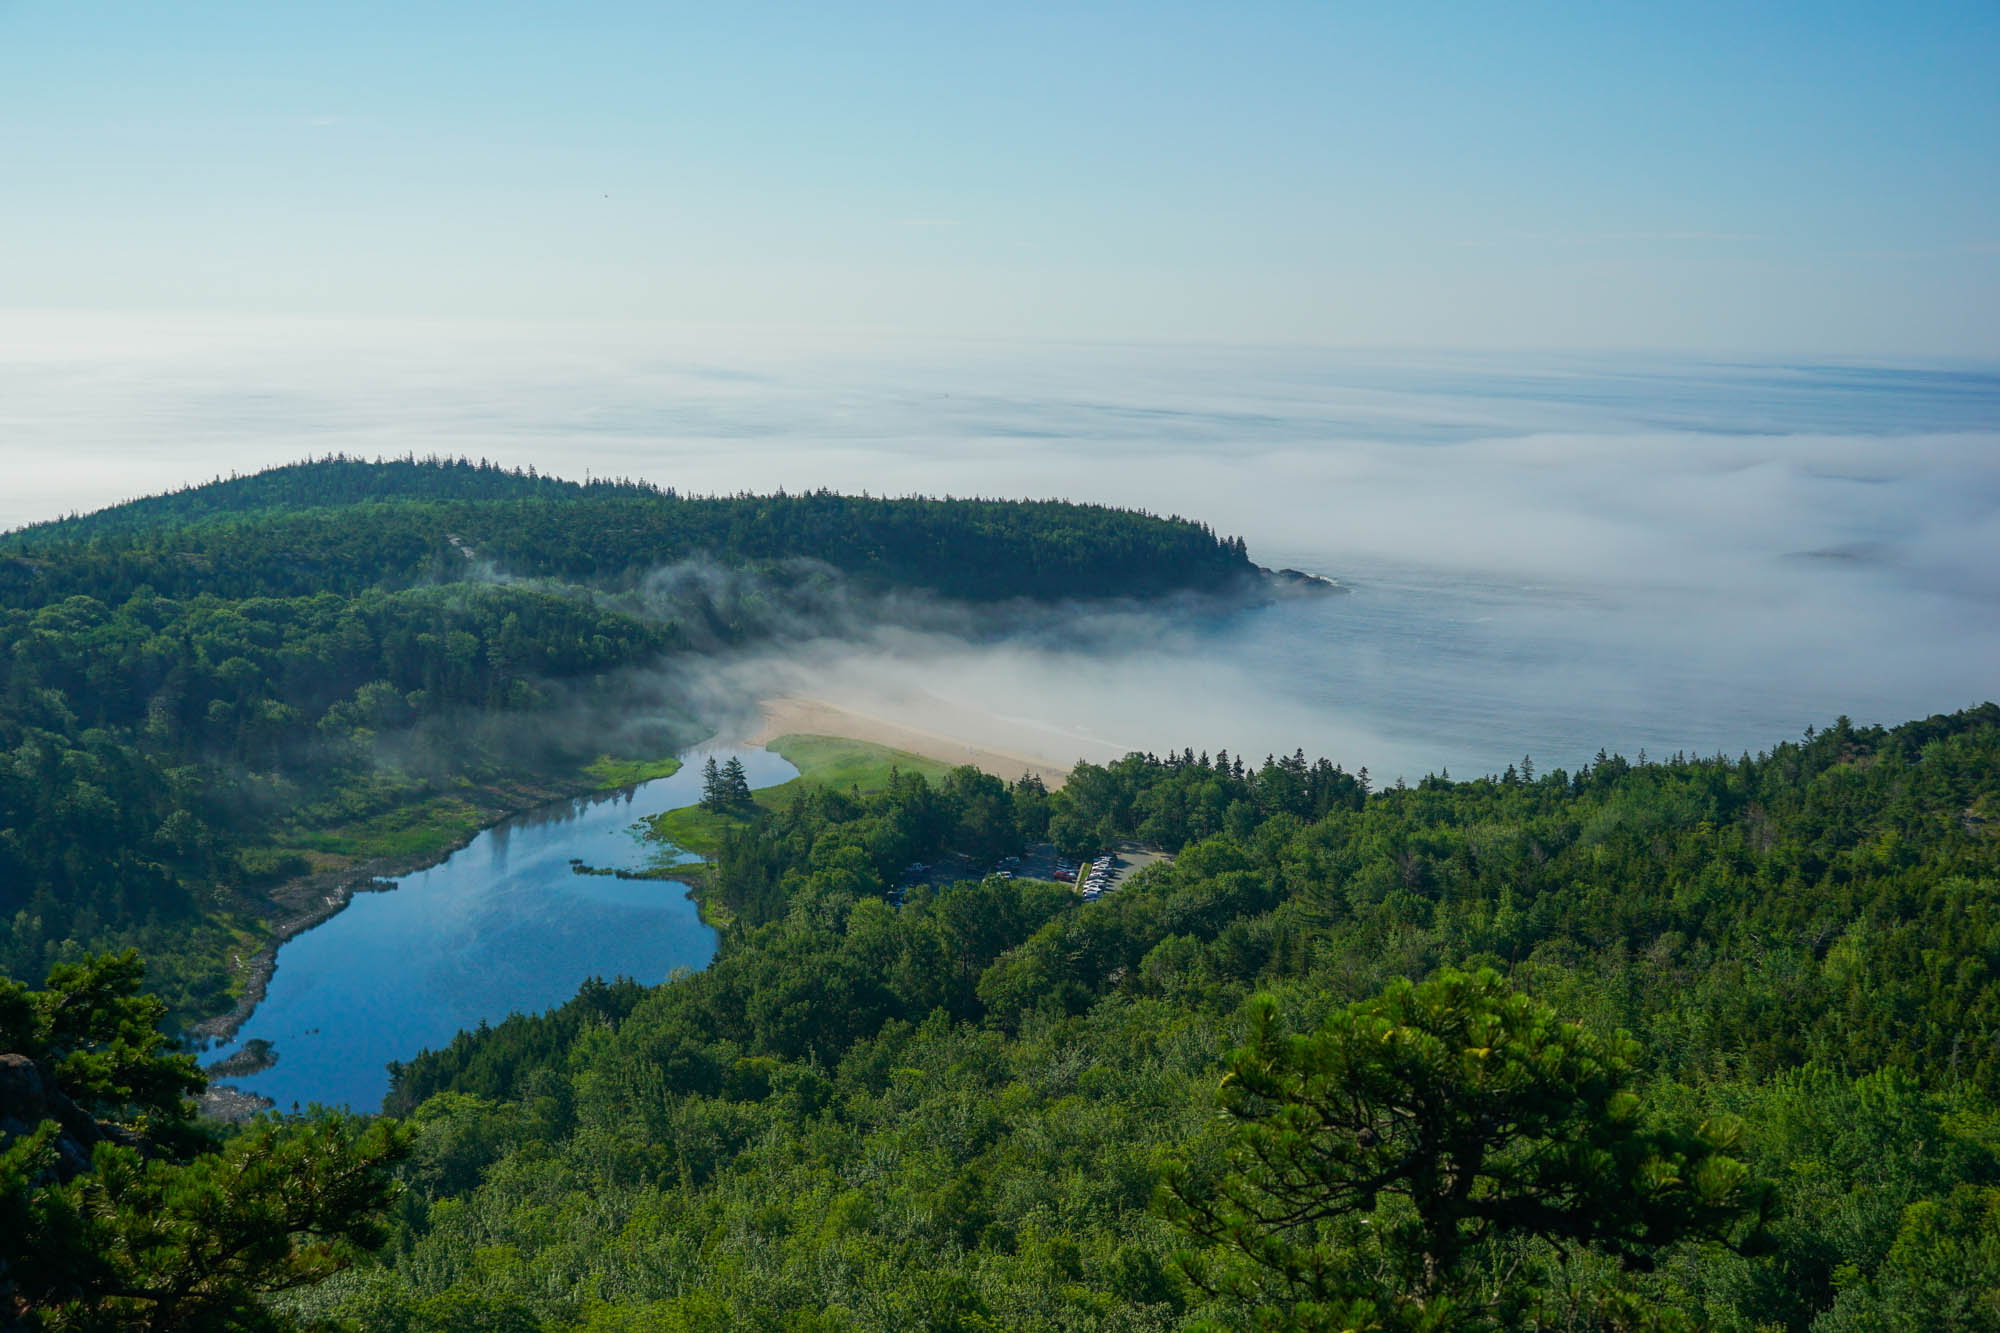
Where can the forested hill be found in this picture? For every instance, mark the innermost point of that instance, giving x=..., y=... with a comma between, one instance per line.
x=1702, y=1044
x=344, y=526
x=332, y=481
x=993, y=1105
x=205, y=695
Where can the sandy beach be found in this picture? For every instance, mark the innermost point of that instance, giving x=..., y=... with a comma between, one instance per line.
x=796, y=715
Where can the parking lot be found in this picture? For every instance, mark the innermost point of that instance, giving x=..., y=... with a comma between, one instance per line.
x=1092, y=877
x=1103, y=873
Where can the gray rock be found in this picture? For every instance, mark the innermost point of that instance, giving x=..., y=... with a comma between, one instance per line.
x=28, y=1097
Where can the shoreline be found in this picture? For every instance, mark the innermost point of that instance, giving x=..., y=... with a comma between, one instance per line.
x=323, y=895
x=791, y=714
x=298, y=905
x=311, y=900
x=261, y=965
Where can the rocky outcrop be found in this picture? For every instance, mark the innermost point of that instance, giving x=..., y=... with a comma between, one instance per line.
x=28, y=1097
x=256, y=1056
x=1297, y=580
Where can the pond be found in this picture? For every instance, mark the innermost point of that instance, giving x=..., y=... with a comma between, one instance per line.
x=504, y=925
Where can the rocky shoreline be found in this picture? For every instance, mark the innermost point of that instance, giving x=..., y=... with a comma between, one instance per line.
x=222, y=1103
x=331, y=891
x=256, y=1056
x=1297, y=580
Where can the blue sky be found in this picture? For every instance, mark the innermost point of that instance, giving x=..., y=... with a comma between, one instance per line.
x=1767, y=179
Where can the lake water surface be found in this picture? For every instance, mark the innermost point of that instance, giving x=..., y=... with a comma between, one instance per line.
x=504, y=925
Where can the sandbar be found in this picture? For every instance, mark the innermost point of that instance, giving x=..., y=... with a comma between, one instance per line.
x=796, y=715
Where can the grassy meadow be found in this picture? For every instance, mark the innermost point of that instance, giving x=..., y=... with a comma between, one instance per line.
x=822, y=761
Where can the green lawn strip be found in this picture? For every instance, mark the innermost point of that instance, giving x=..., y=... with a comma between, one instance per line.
x=822, y=761
x=614, y=773
x=830, y=761
x=693, y=828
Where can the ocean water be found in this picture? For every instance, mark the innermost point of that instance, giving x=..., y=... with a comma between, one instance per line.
x=504, y=925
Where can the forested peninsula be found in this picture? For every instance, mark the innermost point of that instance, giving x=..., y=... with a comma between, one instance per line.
x=217, y=703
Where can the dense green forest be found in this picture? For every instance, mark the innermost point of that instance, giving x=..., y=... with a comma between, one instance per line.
x=208, y=694
x=997, y=1106
x=1707, y=1042
x=343, y=525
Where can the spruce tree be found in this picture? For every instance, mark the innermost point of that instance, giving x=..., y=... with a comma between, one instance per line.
x=734, y=786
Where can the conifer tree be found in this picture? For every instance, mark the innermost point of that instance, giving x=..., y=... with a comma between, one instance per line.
x=116, y=1212
x=1375, y=1159
x=733, y=788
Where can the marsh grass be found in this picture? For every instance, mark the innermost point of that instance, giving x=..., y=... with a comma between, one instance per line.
x=822, y=761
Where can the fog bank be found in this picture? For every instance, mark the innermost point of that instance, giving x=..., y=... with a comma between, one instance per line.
x=1546, y=554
